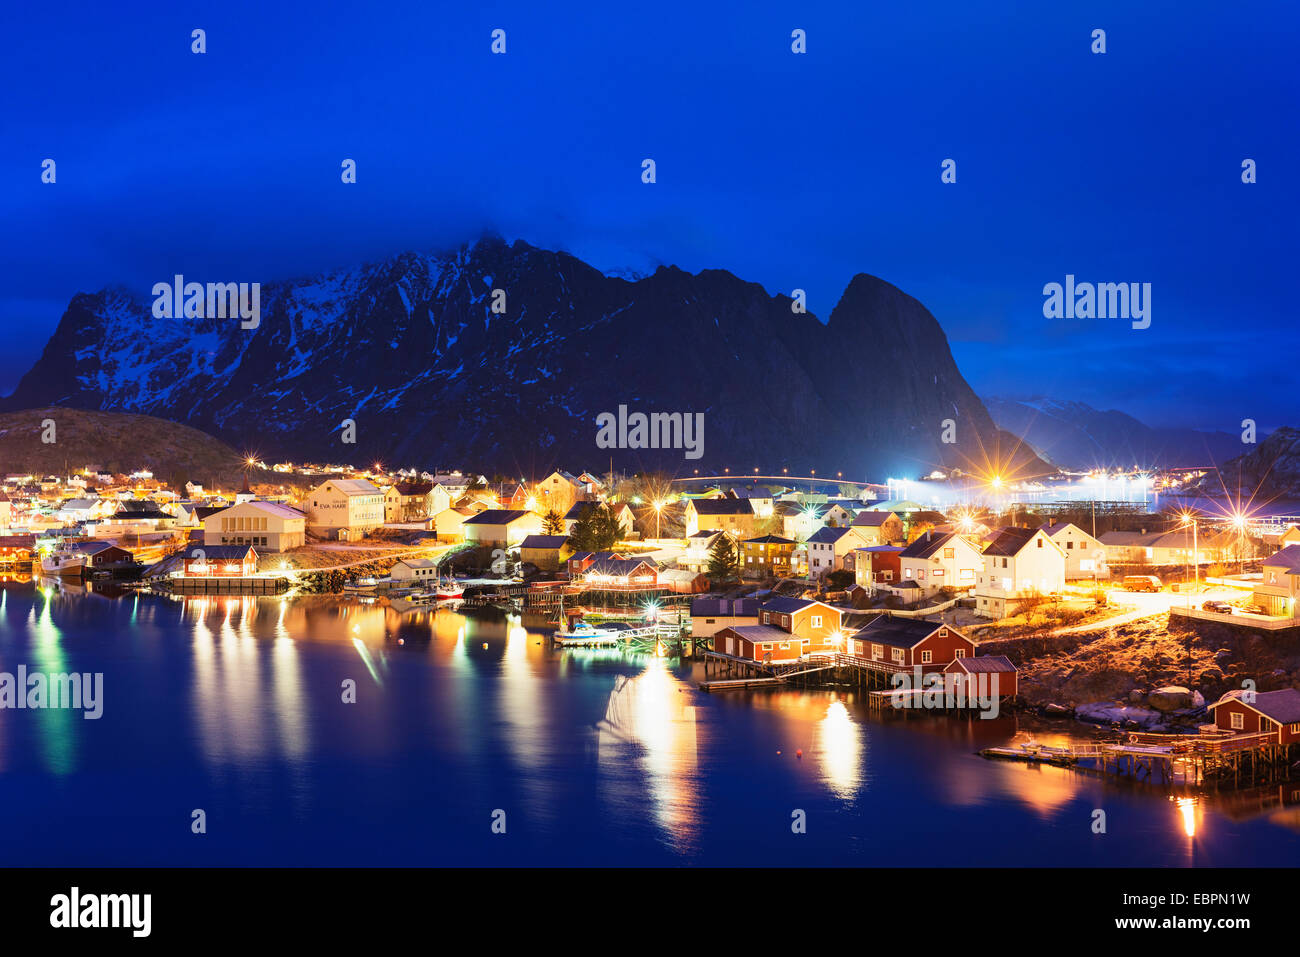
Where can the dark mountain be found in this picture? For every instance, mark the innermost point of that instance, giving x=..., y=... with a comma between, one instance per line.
x=1075, y=435
x=410, y=349
x=1270, y=469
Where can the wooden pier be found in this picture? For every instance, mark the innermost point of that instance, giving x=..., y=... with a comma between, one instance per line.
x=1195, y=760
x=223, y=585
x=746, y=673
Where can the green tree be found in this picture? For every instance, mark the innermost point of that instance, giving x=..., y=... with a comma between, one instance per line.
x=553, y=522
x=724, y=560
x=596, y=530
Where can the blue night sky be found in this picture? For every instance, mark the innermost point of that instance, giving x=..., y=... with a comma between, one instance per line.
x=793, y=171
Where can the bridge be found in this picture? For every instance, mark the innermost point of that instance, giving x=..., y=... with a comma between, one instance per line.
x=742, y=477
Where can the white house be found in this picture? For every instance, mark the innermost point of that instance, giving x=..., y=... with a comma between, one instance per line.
x=501, y=527
x=345, y=508
x=936, y=561
x=1019, y=563
x=449, y=524
x=415, y=570
x=879, y=528
x=699, y=548
x=270, y=526
x=832, y=548
x=1085, y=555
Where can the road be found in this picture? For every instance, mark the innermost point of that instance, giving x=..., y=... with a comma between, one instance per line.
x=1150, y=604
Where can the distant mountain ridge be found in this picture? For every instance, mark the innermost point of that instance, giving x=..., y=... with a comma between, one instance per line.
x=410, y=349
x=1075, y=435
x=1271, y=468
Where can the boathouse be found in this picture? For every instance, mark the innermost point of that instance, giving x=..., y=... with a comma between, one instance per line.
x=1270, y=711
x=758, y=643
x=219, y=561
x=911, y=643
x=1007, y=674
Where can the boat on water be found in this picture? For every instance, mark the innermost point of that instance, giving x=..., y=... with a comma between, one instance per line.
x=414, y=601
x=576, y=633
x=64, y=563
x=448, y=589
x=361, y=586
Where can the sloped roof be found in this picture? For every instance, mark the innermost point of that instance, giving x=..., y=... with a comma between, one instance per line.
x=759, y=633
x=711, y=607
x=1282, y=706
x=872, y=518
x=1288, y=558
x=498, y=516
x=1010, y=540
x=355, y=486
x=926, y=545
x=985, y=663
x=723, y=506
x=899, y=632
x=544, y=541
x=786, y=606
x=414, y=488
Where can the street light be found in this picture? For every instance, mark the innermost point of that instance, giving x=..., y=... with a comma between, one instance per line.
x=1188, y=519
x=658, y=507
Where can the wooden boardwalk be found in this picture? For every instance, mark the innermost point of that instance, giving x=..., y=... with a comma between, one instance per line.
x=1166, y=759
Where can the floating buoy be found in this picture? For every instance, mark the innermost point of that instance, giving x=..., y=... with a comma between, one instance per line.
x=778, y=752
x=485, y=646
x=799, y=753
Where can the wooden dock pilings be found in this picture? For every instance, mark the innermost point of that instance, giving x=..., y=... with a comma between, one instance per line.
x=219, y=585
x=1190, y=760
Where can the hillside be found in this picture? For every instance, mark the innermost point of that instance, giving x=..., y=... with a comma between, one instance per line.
x=116, y=442
x=1271, y=468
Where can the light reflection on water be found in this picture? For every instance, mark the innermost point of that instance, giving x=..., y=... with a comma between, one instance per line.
x=465, y=709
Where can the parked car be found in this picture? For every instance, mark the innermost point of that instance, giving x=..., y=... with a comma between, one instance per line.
x=1222, y=607
x=1141, y=583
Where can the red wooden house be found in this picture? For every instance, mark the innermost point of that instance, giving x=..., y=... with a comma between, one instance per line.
x=1008, y=684
x=1270, y=711
x=911, y=643
x=219, y=561
x=758, y=643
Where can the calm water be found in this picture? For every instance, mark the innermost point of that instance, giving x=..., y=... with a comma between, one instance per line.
x=235, y=706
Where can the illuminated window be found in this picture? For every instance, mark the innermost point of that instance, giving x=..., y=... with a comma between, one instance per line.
x=1237, y=720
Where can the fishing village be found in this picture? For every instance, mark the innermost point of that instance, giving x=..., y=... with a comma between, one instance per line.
x=1005, y=602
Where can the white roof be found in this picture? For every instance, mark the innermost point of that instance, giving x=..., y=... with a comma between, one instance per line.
x=355, y=486
x=278, y=509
